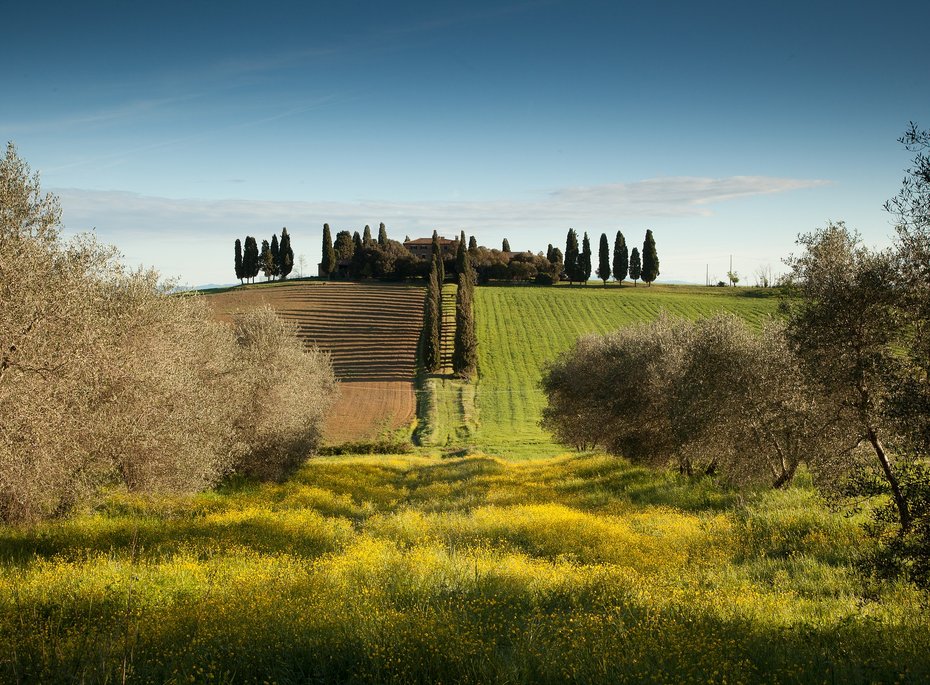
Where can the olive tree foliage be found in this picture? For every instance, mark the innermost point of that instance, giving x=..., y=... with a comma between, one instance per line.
x=744, y=407
x=846, y=325
x=903, y=547
x=710, y=396
x=911, y=209
x=612, y=391
x=106, y=380
x=289, y=390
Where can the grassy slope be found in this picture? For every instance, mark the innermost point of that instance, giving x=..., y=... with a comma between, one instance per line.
x=417, y=569
x=520, y=329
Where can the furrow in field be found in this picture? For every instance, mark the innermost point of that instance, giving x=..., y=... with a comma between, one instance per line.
x=370, y=331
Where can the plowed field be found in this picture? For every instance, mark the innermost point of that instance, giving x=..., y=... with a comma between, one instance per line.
x=370, y=331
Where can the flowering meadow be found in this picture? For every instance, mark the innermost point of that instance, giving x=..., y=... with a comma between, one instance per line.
x=472, y=569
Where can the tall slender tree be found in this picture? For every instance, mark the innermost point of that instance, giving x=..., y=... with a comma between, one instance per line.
x=461, y=258
x=382, y=236
x=275, y=252
x=584, y=260
x=239, y=271
x=285, y=255
x=328, y=263
x=571, y=255
x=438, y=257
x=636, y=266
x=366, y=236
x=431, y=322
x=621, y=258
x=603, y=259
x=650, y=259
x=505, y=246
x=250, y=264
x=359, y=258
x=465, y=347
x=472, y=245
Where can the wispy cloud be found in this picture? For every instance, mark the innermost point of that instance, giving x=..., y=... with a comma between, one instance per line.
x=674, y=196
x=658, y=197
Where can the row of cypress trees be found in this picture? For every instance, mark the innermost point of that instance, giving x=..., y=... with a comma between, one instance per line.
x=637, y=265
x=274, y=260
x=465, y=343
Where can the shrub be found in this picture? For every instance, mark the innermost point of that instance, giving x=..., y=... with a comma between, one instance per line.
x=288, y=391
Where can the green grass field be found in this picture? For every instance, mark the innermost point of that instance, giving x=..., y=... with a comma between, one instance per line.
x=417, y=569
x=521, y=329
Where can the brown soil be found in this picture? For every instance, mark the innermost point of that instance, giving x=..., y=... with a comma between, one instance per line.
x=371, y=332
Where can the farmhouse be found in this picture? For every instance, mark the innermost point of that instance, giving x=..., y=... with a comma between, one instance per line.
x=423, y=247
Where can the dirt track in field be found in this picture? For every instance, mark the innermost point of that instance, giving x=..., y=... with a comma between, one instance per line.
x=369, y=329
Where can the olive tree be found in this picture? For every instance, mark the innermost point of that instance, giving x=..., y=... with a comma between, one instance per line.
x=709, y=396
x=845, y=323
x=613, y=391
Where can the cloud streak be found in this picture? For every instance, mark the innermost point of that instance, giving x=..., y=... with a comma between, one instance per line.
x=657, y=197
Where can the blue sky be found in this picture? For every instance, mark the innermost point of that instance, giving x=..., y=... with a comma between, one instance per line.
x=174, y=128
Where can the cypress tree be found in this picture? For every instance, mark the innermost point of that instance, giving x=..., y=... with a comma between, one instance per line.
x=358, y=256
x=461, y=258
x=472, y=245
x=603, y=259
x=584, y=260
x=431, y=323
x=571, y=256
x=549, y=252
x=438, y=259
x=465, y=350
x=285, y=255
x=328, y=263
x=250, y=258
x=275, y=254
x=382, y=236
x=636, y=266
x=505, y=246
x=239, y=271
x=650, y=259
x=621, y=258
x=366, y=236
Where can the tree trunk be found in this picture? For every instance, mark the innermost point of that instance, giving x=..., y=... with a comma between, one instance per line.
x=786, y=476
x=904, y=512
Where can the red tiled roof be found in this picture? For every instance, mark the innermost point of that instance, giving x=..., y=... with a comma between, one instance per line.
x=428, y=241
